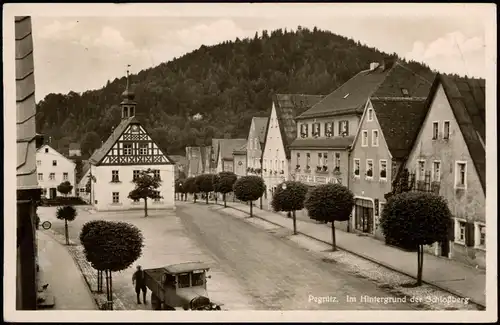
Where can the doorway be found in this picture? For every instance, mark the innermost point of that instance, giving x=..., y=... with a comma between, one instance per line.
x=53, y=193
x=364, y=216
x=445, y=248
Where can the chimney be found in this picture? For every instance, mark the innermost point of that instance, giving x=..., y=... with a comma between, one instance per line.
x=374, y=65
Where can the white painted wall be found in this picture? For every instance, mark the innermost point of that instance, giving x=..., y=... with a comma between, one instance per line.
x=103, y=188
x=274, y=157
x=45, y=168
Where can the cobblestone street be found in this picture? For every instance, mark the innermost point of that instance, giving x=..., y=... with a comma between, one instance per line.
x=276, y=273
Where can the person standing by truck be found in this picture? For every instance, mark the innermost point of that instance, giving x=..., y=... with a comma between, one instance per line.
x=140, y=284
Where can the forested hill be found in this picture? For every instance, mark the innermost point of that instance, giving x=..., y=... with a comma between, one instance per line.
x=227, y=84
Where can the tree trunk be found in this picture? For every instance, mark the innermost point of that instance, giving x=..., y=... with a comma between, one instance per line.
x=194, y=198
x=206, y=197
x=251, y=212
x=145, y=207
x=294, y=223
x=334, y=244
x=224, y=197
x=261, y=202
x=111, y=290
x=420, y=264
x=99, y=281
x=215, y=196
x=66, y=233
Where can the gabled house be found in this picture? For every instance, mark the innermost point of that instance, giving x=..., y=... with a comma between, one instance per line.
x=52, y=169
x=74, y=150
x=281, y=131
x=391, y=120
x=128, y=151
x=255, y=143
x=450, y=151
x=83, y=181
x=195, y=160
x=225, y=161
x=213, y=156
x=240, y=160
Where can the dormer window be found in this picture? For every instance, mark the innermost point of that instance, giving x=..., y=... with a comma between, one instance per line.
x=405, y=92
x=370, y=114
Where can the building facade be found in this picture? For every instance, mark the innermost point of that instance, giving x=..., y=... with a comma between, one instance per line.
x=52, y=169
x=74, y=150
x=255, y=143
x=225, y=151
x=83, y=183
x=281, y=131
x=240, y=161
x=196, y=162
x=128, y=151
x=450, y=149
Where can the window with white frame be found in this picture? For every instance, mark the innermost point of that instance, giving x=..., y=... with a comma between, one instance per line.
x=329, y=129
x=65, y=176
x=480, y=235
x=298, y=159
x=320, y=160
x=436, y=171
x=156, y=174
x=116, y=197
x=435, y=130
x=337, y=161
x=369, y=168
x=283, y=165
x=383, y=169
x=446, y=130
x=308, y=159
x=127, y=149
x=356, y=167
x=143, y=149
x=460, y=229
x=52, y=176
x=264, y=161
x=38, y=162
x=374, y=138
x=370, y=114
x=135, y=174
x=316, y=130
x=421, y=170
x=40, y=176
x=461, y=174
x=157, y=196
x=344, y=128
x=54, y=162
x=46, y=150
x=325, y=159
x=364, y=138
x=82, y=190
x=256, y=143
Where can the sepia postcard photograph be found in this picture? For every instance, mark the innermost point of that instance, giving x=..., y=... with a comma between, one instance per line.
x=230, y=162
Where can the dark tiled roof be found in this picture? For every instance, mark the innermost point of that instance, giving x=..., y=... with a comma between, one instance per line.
x=74, y=146
x=417, y=82
x=333, y=143
x=289, y=106
x=467, y=100
x=260, y=124
x=227, y=146
x=351, y=97
x=25, y=105
x=400, y=121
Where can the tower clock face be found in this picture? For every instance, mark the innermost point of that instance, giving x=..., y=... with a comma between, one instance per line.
x=135, y=127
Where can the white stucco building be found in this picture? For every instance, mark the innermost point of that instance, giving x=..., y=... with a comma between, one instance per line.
x=53, y=169
x=128, y=151
x=281, y=130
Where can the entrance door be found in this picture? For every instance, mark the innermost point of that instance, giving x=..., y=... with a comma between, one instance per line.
x=445, y=248
x=53, y=193
x=364, y=216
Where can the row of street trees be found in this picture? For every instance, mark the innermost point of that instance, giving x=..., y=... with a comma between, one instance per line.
x=415, y=219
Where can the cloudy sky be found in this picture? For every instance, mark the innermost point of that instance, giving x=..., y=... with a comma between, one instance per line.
x=75, y=50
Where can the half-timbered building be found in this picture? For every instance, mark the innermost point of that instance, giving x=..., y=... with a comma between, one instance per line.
x=128, y=151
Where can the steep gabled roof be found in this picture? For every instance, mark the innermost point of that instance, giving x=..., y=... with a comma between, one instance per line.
x=41, y=149
x=288, y=107
x=227, y=146
x=350, y=97
x=99, y=154
x=260, y=124
x=400, y=121
x=467, y=100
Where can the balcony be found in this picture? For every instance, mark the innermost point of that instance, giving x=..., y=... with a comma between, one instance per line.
x=406, y=181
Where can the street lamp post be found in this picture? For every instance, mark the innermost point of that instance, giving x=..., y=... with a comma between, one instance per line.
x=262, y=179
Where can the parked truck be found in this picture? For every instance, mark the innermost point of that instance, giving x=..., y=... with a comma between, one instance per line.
x=180, y=287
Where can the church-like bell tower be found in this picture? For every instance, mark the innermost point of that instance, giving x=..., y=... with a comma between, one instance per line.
x=128, y=104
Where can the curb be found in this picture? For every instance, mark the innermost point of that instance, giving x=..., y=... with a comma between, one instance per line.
x=89, y=279
x=369, y=259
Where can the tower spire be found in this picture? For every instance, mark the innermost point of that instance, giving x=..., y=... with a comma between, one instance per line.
x=128, y=104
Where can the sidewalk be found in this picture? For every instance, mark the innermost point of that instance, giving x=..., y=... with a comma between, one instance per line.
x=445, y=274
x=65, y=280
